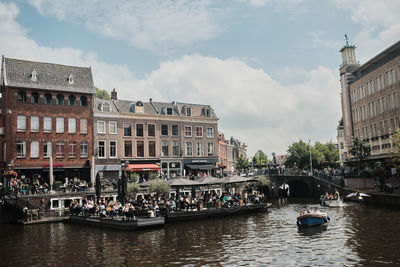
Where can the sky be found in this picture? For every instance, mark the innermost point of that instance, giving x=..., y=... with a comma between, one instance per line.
x=269, y=68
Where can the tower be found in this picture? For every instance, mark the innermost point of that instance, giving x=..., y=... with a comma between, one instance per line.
x=348, y=66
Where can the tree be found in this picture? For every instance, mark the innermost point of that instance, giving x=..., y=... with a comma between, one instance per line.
x=102, y=94
x=360, y=152
x=260, y=158
x=159, y=187
x=242, y=162
x=299, y=155
x=133, y=188
x=329, y=152
x=395, y=154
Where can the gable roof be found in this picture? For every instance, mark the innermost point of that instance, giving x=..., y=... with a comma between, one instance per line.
x=17, y=73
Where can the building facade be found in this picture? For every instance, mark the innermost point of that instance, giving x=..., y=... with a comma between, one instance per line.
x=170, y=139
x=370, y=100
x=46, y=113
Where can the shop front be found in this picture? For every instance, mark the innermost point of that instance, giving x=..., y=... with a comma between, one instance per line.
x=111, y=172
x=143, y=168
x=199, y=167
x=171, y=168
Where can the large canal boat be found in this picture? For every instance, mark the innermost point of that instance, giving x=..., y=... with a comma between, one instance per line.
x=215, y=212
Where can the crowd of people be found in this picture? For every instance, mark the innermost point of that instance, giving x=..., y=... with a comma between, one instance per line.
x=156, y=205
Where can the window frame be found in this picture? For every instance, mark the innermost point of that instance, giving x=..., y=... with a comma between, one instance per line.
x=58, y=123
x=130, y=129
x=115, y=127
x=104, y=127
x=46, y=129
x=84, y=147
x=21, y=144
x=71, y=122
x=201, y=132
x=110, y=149
x=36, y=119
x=138, y=130
x=19, y=123
x=190, y=130
x=104, y=149
x=148, y=130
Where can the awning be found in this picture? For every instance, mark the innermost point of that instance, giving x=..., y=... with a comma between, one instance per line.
x=201, y=167
x=143, y=167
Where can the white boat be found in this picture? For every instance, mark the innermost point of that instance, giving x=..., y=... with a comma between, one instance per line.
x=335, y=202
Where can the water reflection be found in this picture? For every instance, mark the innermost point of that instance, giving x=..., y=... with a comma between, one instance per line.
x=355, y=235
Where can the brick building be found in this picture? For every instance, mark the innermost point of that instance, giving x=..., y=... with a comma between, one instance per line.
x=370, y=100
x=46, y=111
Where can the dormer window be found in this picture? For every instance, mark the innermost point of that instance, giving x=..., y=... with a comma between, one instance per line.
x=137, y=107
x=70, y=79
x=105, y=106
x=169, y=111
x=207, y=113
x=189, y=112
x=33, y=75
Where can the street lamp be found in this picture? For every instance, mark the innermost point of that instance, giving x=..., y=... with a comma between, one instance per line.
x=309, y=147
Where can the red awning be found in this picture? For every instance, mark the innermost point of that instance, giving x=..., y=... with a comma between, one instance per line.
x=143, y=167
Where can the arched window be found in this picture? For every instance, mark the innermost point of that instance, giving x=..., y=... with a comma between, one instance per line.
x=48, y=98
x=84, y=102
x=21, y=97
x=35, y=98
x=60, y=99
x=71, y=100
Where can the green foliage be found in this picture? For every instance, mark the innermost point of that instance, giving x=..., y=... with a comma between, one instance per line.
x=153, y=176
x=242, y=162
x=159, y=187
x=102, y=94
x=395, y=154
x=133, y=188
x=322, y=155
x=134, y=177
x=359, y=150
x=260, y=158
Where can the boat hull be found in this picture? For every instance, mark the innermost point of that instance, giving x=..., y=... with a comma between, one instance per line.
x=310, y=220
x=140, y=223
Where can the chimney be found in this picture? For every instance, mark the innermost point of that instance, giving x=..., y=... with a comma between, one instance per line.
x=114, y=95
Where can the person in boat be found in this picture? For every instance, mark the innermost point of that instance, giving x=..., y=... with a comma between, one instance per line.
x=315, y=210
x=337, y=194
x=308, y=210
x=301, y=212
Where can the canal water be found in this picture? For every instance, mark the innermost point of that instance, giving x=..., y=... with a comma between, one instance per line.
x=357, y=235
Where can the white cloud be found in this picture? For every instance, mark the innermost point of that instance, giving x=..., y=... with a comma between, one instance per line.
x=251, y=105
x=380, y=24
x=155, y=25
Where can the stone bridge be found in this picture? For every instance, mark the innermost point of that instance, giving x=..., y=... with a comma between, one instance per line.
x=305, y=186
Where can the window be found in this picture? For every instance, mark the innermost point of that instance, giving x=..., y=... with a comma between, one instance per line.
x=188, y=149
x=34, y=149
x=210, y=149
x=175, y=130
x=199, y=131
x=175, y=148
x=208, y=113
x=101, y=149
x=59, y=125
x=84, y=149
x=140, y=149
x=47, y=149
x=34, y=123
x=169, y=111
x=71, y=125
x=151, y=130
x=72, y=100
x=72, y=149
x=48, y=98
x=210, y=132
x=113, y=149
x=105, y=106
x=101, y=127
x=47, y=124
x=128, y=149
x=188, y=112
x=200, y=151
x=60, y=100
x=164, y=130
x=21, y=123
x=70, y=79
x=152, y=148
x=127, y=129
x=139, y=130
x=83, y=126
x=164, y=148
x=59, y=149
x=112, y=127
x=21, y=149
x=33, y=75
x=188, y=131
x=21, y=96
x=84, y=101
x=35, y=98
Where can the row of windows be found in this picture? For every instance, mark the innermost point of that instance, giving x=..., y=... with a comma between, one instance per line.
x=151, y=130
x=376, y=107
x=48, y=99
x=60, y=149
x=378, y=128
x=48, y=124
x=151, y=149
x=375, y=85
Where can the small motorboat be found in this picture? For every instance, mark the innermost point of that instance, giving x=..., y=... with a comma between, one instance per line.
x=331, y=202
x=312, y=219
